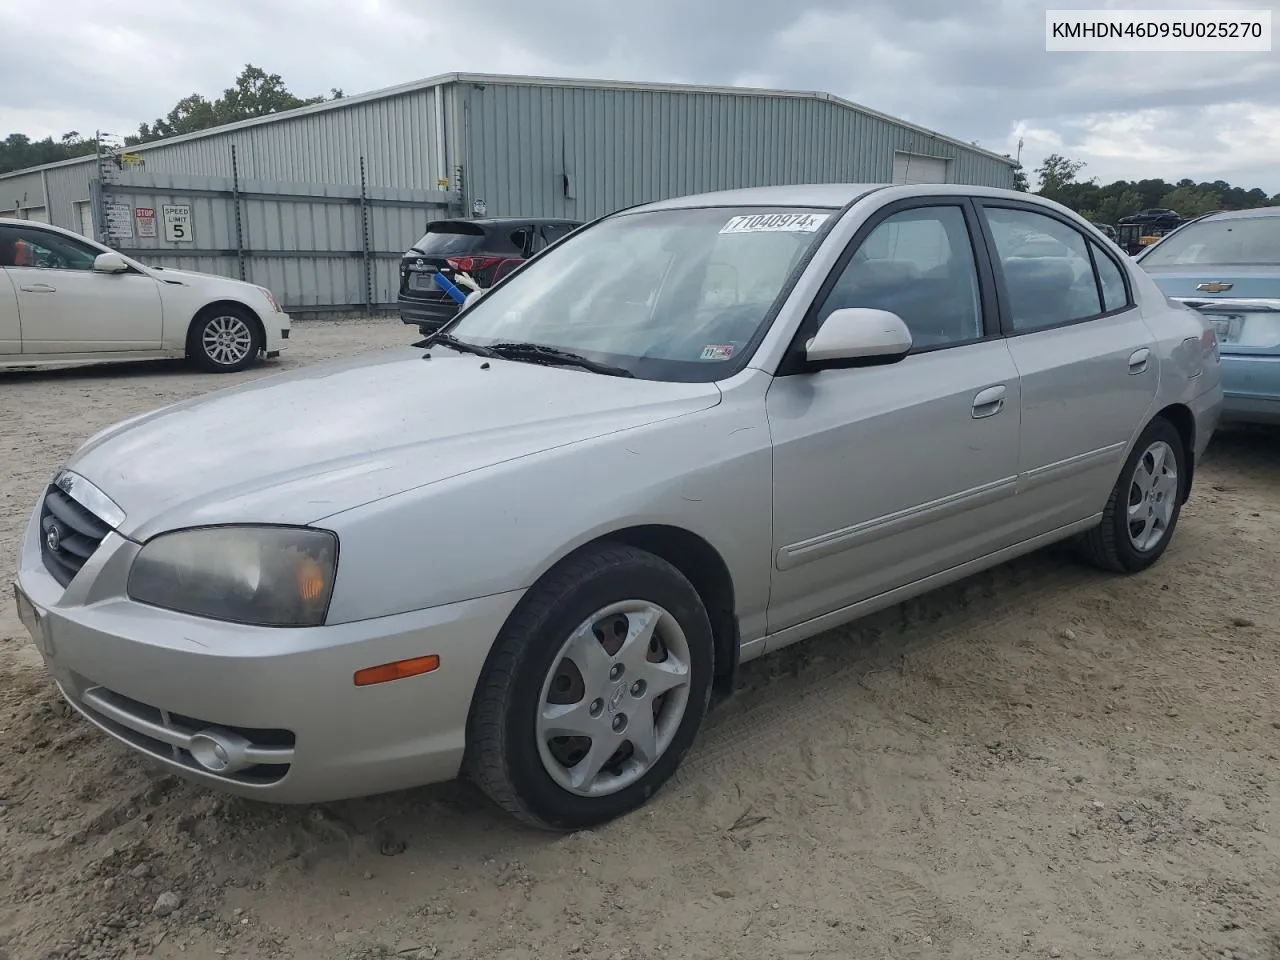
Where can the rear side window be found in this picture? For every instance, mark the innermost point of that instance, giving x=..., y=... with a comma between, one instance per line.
x=1047, y=270
x=554, y=231
x=450, y=238
x=1114, y=294
x=521, y=240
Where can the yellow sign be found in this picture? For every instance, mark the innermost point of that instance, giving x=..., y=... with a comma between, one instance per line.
x=134, y=159
x=442, y=182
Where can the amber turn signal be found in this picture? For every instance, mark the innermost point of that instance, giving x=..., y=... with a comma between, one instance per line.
x=396, y=671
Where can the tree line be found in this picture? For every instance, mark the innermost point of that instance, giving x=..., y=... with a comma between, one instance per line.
x=255, y=93
x=1059, y=178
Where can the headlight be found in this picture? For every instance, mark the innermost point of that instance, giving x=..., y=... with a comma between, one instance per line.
x=271, y=299
x=265, y=576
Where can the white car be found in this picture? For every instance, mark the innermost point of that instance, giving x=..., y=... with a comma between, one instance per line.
x=66, y=299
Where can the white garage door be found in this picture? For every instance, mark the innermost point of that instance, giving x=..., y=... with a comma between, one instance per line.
x=916, y=168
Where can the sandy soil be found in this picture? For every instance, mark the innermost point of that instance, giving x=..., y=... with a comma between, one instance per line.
x=1040, y=762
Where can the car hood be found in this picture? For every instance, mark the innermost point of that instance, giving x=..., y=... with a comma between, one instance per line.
x=303, y=445
x=1247, y=283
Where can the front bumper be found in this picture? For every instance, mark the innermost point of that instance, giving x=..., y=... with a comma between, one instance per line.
x=1251, y=384
x=153, y=679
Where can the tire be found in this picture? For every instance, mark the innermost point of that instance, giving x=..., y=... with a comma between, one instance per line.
x=1112, y=545
x=224, y=339
x=514, y=754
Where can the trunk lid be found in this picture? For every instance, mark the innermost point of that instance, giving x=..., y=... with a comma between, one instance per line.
x=1242, y=303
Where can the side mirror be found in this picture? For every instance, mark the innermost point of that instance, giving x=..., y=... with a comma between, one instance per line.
x=858, y=337
x=109, y=263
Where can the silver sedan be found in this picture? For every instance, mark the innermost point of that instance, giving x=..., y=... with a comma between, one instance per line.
x=689, y=434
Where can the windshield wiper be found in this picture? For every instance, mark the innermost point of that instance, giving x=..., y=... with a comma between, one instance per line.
x=462, y=346
x=539, y=353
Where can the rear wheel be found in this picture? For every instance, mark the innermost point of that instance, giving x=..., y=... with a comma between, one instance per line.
x=1142, y=512
x=224, y=340
x=595, y=690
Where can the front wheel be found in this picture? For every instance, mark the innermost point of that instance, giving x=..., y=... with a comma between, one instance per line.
x=1139, y=518
x=596, y=688
x=224, y=340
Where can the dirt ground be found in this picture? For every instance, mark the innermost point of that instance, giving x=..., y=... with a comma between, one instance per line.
x=1042, y=761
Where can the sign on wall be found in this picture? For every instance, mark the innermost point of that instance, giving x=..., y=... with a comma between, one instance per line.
x=177, y=223
x=146, y=221
x=119, y=220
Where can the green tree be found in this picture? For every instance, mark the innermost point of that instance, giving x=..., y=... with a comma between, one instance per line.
x=1057, y=174
x=1113, y=206
x=1019, y=176
x=255, y=93
x=18, y=151
x=1192, y=201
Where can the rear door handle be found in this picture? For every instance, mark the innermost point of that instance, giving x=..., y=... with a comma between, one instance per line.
x=1138, y=360
x=38, y=288
x=989, y=402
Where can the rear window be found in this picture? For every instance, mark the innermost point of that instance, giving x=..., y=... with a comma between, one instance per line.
x=450, y=238
x=1243, y=242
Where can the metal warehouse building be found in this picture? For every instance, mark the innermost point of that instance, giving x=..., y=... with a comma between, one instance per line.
x=318, y=203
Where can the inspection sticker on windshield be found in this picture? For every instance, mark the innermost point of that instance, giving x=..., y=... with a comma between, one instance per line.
x=717, y=351
x=776, y=223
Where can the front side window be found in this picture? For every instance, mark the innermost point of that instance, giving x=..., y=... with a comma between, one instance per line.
x=21, y=247
x=1245, y=241
x=664, y=294
x=1046, y=267
x=919, y=264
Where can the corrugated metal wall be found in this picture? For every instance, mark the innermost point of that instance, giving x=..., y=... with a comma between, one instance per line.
x=396, y=135
x=621, y=146
x=22, y=192
x=318, y=247
x=68, y=186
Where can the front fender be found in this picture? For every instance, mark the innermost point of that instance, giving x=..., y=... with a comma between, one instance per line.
x=501, y=528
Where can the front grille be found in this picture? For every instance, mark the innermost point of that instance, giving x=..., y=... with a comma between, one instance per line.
x=69, y=535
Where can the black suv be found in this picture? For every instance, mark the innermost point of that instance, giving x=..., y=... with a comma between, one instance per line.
x=486, y=250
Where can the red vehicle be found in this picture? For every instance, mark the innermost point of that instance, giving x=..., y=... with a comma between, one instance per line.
x=486, y=250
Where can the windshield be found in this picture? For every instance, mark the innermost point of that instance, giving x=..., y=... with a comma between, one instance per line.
x=665, y=295
x=1254, y=241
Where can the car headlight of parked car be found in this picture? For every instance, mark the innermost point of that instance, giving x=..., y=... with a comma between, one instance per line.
x=267, y=576
x=271, y=299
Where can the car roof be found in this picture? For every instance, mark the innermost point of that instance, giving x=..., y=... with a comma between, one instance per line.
x=799, y=195
x=1254, y=214
x=834, y=195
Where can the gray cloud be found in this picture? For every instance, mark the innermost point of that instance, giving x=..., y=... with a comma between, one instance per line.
x=976, y=72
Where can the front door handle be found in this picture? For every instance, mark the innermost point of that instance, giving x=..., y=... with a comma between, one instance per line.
x=989, y=402
x=38, y=288
x=1138, y=360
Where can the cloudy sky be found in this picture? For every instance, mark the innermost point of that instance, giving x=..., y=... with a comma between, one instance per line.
x=980, y=74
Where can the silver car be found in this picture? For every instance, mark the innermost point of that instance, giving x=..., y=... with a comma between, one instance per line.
x=691, y=433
